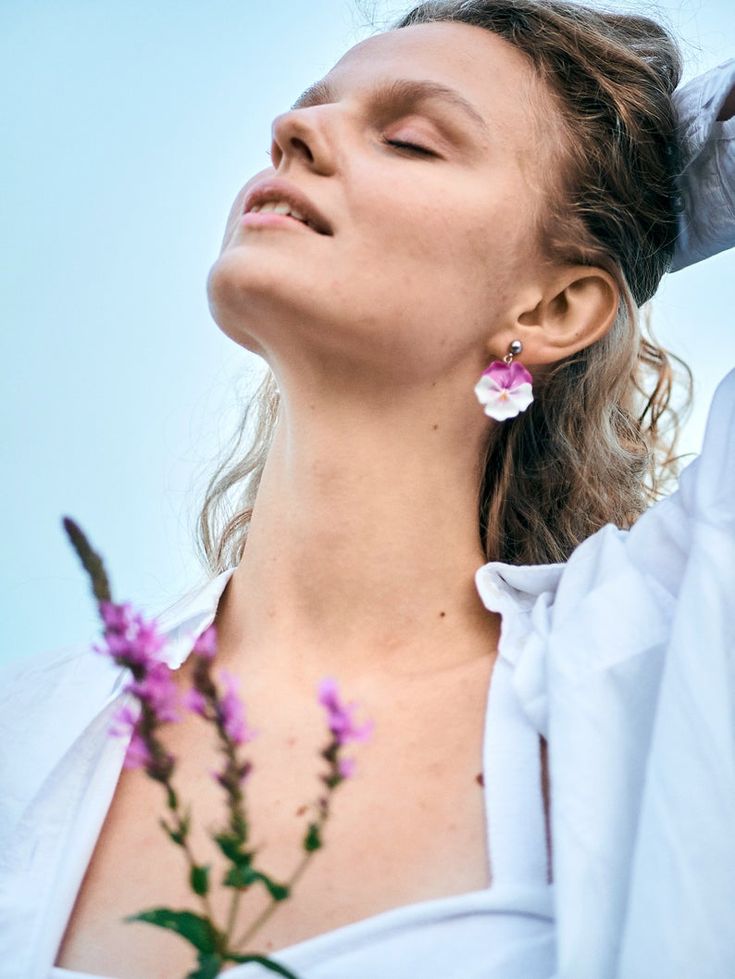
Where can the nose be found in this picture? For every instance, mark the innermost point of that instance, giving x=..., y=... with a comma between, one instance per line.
x=300, y=134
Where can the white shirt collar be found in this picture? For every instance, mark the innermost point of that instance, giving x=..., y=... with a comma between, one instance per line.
x=187, y=619
x=519, y=585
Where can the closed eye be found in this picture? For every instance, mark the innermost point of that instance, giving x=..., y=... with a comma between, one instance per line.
x=409, y=147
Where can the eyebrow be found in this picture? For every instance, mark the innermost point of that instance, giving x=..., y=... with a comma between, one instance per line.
x=405, y=91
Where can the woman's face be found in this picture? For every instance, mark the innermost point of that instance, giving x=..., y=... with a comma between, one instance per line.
x=428, y=247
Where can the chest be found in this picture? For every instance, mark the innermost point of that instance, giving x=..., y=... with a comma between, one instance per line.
x=412, y=819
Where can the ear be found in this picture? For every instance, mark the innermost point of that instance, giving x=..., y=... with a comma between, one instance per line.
x=577, y=306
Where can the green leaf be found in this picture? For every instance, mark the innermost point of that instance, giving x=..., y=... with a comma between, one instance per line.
x=210, y=966
x=193, y=927
x=279, y=892
x=230, y=846
x=199, y=879
x=312, y=840
x=280, y=970
x=242, y=877
x=171, y=833
x=171, y=798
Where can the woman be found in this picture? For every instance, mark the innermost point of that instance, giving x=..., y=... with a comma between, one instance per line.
x=550, y=788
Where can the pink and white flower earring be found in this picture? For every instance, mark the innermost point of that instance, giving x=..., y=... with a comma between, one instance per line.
x=505, y=386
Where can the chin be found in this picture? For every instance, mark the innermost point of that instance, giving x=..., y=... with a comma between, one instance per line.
x=230, y=301
x=254, y=301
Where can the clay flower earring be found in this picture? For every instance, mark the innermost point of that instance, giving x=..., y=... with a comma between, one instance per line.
x=504, y=386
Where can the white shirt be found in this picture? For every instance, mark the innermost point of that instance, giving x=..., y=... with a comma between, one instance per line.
x=623, y=658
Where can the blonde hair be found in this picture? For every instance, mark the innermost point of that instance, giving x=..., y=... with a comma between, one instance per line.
x=593, y=447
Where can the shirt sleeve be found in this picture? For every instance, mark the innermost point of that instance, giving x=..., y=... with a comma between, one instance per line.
x=707, y=182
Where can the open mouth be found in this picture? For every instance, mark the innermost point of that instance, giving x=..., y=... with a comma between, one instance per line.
x=269, y=216
x=278, y=198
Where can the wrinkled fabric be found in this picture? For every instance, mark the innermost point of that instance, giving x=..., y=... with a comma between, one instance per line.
x=627, y=666
x=707, y=224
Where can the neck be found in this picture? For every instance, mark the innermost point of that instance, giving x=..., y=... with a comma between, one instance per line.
x=363, y=544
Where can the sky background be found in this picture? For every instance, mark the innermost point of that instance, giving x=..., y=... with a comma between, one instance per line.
x=127, y=129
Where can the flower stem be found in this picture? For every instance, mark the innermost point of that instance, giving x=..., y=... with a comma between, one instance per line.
x=162, y=774
x=231, y=782
x=190, y=858
x=268, y=911
x=233, y=913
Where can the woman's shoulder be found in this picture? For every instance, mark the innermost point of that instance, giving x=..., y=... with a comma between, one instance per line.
x=655, y=551
x=32, y=685
x=54, y=705
x=640, y=699
x=623, y=662
x=76, y=670
x=46, y=702
x=610, y=610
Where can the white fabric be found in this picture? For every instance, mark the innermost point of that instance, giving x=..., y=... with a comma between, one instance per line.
x=627, y=665
x=50, y=829
x=707, y=184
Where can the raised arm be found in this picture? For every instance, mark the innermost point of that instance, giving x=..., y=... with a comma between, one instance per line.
x=706, y=110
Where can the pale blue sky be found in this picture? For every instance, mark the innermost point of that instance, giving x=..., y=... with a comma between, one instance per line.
x=127, y=129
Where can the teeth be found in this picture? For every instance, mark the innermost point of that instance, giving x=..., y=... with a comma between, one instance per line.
x=279, y=207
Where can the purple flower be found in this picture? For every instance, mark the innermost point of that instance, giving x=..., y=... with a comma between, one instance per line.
x=242, y=773
x=124, y=724
x=123, y=721
x=137, y=754
x=346, y=767
x=116, y=617
x=195, y=701
x=158, y=690
x=504, y=389
x=206, y=643
x=128, y=637
x=339, y=715
x=233, y=712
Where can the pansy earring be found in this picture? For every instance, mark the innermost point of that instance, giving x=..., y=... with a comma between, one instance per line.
x=505, y=386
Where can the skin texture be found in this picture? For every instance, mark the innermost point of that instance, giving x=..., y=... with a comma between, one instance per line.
x=364, y=539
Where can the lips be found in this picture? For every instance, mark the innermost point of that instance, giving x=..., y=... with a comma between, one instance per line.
x=277, y=189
